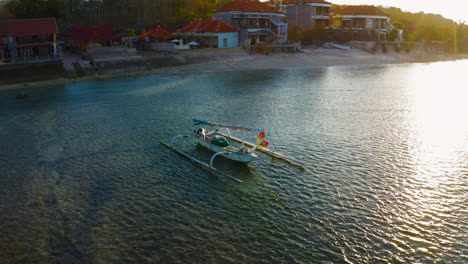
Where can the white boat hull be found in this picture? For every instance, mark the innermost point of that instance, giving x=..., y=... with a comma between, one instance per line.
x=245, y=157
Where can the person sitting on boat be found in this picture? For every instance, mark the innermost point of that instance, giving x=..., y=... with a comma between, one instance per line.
x=202, y=132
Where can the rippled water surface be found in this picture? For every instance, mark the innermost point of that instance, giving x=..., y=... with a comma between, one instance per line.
x=84, y=179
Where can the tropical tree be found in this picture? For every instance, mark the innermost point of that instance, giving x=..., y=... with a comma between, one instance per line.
x=33, y=8
x=393, y=35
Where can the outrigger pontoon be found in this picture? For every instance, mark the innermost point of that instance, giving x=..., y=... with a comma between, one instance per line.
x=222, y=145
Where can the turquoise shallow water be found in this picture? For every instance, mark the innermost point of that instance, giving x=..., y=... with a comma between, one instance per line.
x=83, y=178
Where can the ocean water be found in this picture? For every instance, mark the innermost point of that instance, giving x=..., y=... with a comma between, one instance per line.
x=84, y=179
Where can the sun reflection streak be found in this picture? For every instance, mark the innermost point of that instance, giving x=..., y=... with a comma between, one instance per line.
x=438, y=136
x=439, y=116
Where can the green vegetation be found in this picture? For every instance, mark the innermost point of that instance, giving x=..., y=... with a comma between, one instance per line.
x=4, y=12
x=292, y=33
x=129, y=32
x=202, y=9
x=429, y=27
x=32, y=8
x=393, y=35
x=143, y=14
x=426, y=27
x=124, y=13
x=420, y=26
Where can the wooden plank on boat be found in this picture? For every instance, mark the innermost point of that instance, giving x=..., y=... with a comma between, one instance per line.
x=198, y=162
x=267, y=151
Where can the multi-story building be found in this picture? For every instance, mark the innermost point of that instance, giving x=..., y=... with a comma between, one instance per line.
x=277, y=4
x=257, y=22
x=28, y=40
x=363, y=18
x=306, y=14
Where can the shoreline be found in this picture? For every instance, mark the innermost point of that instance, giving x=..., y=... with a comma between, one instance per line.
x=308, y=58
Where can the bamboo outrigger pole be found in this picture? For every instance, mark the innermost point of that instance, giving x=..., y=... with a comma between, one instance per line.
x=198, y=162
x=267, y=151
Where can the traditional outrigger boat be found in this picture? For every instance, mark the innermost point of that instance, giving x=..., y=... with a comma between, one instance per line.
x=222, y=145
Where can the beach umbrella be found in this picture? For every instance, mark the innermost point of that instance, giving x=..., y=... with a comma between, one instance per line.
x=193, y=43
x=175, y=41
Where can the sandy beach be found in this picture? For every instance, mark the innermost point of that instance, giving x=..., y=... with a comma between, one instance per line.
x=238, y=60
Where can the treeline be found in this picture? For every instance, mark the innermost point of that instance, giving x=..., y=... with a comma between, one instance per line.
x=420, y=26
x=426, y=27
x=123, y=13
x=429, y=27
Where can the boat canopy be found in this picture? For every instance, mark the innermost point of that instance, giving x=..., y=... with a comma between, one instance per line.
x=238, y=128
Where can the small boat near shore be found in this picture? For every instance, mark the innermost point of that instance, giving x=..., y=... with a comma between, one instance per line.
x=223, y=144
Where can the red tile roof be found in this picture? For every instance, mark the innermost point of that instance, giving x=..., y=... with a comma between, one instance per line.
x=292, y=2
x=28, y=27
x=145, y=34
x=218, y=26
x=104, y=32
x=161, y=25
x=251, y=6
x=360, y=10
x=4, y=28
x=212, y=26
x=80, y=33
x=158, y=33
x=195, y=26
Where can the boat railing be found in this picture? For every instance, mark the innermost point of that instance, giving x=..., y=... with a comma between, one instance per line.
x=176, y=137
x=217, y=154
x=223, y=128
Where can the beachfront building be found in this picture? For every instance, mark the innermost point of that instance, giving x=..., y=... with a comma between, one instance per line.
x=3, y=49
x=257, y=22
x=277, y=4
x=212, y=33
x=307, y=14
x=28, y=40
x=363, y=18
x=83, y=38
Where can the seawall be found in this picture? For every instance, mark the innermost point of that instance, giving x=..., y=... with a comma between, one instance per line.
x=30, y=72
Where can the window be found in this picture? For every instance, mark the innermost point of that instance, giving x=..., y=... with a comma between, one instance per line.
x=24, y=39
x=322, y=11
x=225, y=42
x=25, y=52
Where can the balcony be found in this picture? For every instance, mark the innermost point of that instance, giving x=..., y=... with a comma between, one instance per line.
x=253, y=23
x=34, y=39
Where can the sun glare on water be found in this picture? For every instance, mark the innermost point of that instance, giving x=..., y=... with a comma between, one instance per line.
x=432, y=186
x=439, y=107
x=439, y=121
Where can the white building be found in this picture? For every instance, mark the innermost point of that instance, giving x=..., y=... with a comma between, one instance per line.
x=257, y=21
x=363, y=18
x=212, y=33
